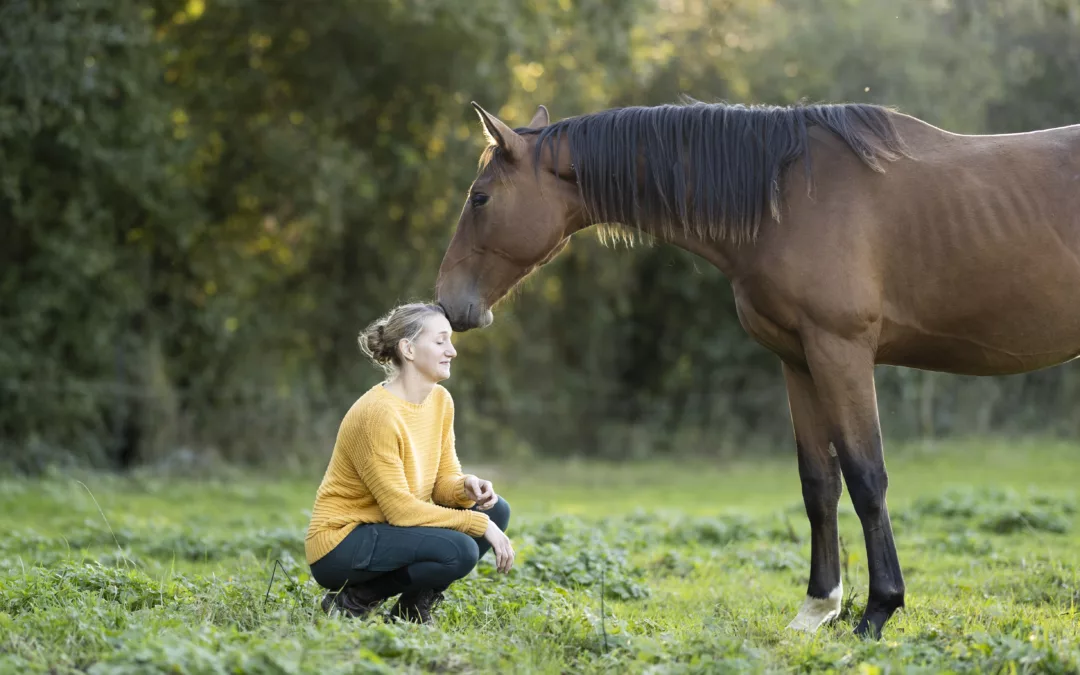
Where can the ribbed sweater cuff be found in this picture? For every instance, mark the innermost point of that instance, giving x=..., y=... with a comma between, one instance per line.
x=476, y=523
x=460, y=496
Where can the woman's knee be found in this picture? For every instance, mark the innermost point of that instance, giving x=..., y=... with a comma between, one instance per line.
x=462, y=553
x=457, y=551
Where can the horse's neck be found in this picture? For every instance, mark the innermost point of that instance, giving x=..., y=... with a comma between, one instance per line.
x=724, y=255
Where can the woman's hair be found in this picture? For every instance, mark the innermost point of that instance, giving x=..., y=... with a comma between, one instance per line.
x=379, y=341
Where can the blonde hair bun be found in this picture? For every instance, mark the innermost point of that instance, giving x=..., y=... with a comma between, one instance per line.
x=379, y=341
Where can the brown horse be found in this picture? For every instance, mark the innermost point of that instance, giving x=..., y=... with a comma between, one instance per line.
x=897, y=243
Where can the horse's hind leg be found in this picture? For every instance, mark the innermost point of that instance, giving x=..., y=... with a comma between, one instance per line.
x=819, y=472
x=843, y=374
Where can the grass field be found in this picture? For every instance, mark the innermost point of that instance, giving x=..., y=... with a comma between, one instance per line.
x=660, y=568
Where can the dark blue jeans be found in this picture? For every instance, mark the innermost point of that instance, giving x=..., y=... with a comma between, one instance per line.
x=408, y=558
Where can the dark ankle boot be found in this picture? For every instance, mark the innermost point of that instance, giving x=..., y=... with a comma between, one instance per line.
x=356, y=601
x=417, y=606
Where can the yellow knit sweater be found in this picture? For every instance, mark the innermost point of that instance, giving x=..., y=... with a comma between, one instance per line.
x=393, y=462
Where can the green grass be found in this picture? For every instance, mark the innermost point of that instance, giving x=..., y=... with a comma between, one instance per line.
x=653, y=567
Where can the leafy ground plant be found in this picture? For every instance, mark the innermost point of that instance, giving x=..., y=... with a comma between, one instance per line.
x=698, y=572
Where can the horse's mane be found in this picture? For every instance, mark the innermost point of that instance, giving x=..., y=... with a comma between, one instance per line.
x=708, y=170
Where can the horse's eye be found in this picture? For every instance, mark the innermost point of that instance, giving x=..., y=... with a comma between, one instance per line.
x=478, y=199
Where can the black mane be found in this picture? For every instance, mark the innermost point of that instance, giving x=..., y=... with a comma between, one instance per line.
x=710, y=170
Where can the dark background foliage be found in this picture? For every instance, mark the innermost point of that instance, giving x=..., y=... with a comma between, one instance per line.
x=203, y=202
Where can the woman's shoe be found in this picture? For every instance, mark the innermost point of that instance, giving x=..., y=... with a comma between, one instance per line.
x=354, y=602
x=416, y=607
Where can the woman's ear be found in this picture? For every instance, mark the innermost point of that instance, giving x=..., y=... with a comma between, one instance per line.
x=405, y=347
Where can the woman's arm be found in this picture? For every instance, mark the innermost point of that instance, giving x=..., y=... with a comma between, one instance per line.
x=373, y=449
x=449, y=487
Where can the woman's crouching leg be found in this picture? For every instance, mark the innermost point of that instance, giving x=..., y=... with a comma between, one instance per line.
x=446, y=557
x=380, y=561
x=458, y=554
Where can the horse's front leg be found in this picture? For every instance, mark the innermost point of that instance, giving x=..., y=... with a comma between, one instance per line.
x=819, y=472
x=843, y=374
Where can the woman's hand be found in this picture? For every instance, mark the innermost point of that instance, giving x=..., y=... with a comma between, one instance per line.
x=481, y=492
x=500, y=543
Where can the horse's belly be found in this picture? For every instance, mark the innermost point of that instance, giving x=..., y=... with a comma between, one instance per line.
x=967, y=357
x=1019, y=335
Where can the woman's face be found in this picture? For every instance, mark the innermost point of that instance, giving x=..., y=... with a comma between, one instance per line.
x=431, y=352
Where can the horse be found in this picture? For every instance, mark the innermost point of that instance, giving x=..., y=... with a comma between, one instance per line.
x=851, y=234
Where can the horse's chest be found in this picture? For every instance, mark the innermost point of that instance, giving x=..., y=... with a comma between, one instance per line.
x=765, y=325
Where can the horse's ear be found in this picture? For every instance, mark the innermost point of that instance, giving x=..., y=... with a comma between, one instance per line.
x=500, y=134
x=540, y=119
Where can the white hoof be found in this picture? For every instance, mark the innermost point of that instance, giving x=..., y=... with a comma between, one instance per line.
x=816, y=612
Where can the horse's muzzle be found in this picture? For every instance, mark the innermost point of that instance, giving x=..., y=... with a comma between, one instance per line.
x=469, y=318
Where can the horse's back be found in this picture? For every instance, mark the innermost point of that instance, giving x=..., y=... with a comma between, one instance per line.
x=966, y=256
x=982, y=248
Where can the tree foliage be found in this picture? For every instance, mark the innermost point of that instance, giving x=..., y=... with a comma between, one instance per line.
x=203, y=201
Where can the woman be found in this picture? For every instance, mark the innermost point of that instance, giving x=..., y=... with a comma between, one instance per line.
x=394, y=513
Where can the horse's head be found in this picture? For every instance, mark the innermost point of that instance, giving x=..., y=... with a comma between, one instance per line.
x=519, y=213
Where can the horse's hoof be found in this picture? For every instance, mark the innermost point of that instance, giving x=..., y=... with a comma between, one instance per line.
x=816, y=612
x=879, y=610
x=867, y=630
